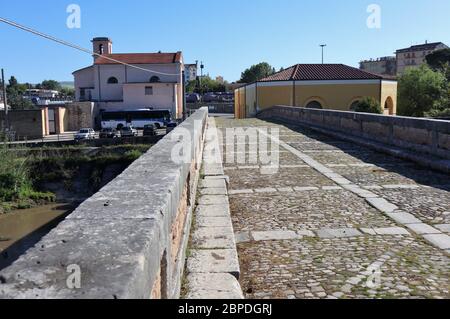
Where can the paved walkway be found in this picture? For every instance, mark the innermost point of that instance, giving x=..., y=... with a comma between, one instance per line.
x=337, y=220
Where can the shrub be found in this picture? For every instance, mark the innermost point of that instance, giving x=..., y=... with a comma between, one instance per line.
x=133, y=155
x=367, y=105
x=13, y=175
x=420, y=91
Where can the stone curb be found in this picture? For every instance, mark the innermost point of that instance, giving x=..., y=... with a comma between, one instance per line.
x=213, y=269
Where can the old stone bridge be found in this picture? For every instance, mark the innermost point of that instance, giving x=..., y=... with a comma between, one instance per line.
x=342, y=205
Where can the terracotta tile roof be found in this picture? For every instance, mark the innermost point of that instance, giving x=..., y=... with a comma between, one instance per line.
x=321, y=72
x=140, y=58
x=422, y=47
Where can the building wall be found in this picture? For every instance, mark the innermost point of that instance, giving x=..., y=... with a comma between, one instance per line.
x=91, y=77
x=336, y=96
x=239, y=102
x=79, y=115
x=389, y=89
x=275, y=93
x=83, y=79
x=164, y=96
x=381, y=66
x=26, y=123
x=250, y=100
x=413, y=58
x=109, y=92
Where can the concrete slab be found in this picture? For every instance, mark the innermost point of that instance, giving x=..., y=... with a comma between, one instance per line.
x=305, y=189
x=285, y=189
x=212, y=211
x=368, y=231
x=441, y=241
x=243, y=237
x=372, y=187
x=332, y=188
x=213, y=200
x=213, y=238
x=341, y=180
x=214, y=261
x=423, y=229
x=391, y=231
x=214, y=183
x=382, y=205
x=444, y=228
x=274, y=235
x=213, y=286
x=306, y=233
x=214, y=221
x=213, y=191
x=213, y=170
x=339, y=233
x=266, y=190
x=240, y=191
x=361, y=192
x=404, y=218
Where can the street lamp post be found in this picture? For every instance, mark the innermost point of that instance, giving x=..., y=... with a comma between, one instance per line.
x=323, y=46
x=5, y=101
x=202, y=66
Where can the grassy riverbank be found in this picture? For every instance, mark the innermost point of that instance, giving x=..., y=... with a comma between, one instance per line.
x=31, y=177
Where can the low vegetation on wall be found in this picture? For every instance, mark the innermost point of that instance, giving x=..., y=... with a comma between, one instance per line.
x=30, y=177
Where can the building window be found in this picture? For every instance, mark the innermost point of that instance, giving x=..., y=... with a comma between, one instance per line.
x=314, y=105
x=113, y=80
x=155, y=79
x=100, y=49
x=149, y=90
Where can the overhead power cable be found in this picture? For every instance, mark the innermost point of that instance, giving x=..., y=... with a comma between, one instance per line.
x=74, y=46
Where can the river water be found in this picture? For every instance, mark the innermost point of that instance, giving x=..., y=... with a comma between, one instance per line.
x=22, y=229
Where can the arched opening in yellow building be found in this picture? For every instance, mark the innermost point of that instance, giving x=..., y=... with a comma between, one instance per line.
x=315, y=103
x=389, y=106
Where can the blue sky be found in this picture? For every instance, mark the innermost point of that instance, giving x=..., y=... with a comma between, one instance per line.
x=227, y=35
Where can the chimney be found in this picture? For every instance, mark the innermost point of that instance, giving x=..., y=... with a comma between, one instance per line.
x=101, y=46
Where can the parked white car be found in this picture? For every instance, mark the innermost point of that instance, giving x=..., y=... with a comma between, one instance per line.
x=85, y=134
x=129, y=131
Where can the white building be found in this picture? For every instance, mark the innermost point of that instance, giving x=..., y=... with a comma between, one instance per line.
x=415, y=56
x=191, y=72
x=148, y=80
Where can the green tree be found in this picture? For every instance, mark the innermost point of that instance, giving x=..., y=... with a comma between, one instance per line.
x=420, y=91
x=207, y=85
x=438, y=58
x=367, y=105
x=67, y=92
x=50, y=85
x=256, y=72
x=15, y=92
x=13, y=82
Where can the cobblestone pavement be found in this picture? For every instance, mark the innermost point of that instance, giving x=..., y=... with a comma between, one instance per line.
x=303, y=233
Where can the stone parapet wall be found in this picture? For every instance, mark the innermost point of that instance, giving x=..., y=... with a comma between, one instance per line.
x=421, y=137
x=129, y=240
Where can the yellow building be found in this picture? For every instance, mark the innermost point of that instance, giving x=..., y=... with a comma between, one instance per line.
x=320, y=86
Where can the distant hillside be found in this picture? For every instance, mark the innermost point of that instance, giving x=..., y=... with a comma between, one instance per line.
x=67, y=84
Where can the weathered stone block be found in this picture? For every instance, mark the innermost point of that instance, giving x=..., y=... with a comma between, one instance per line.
x=214, y=261
x=339, y=233
x=213, y=286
